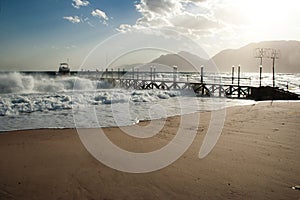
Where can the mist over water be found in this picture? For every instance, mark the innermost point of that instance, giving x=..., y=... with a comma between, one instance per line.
x=22, y=83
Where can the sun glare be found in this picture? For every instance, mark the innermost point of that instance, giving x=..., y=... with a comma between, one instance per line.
x=267, y=12
x=267, y=19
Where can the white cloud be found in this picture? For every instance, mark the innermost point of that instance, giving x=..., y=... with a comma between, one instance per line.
x=78, y=3
x=174, y=14
x=218, y=24
x=193, y=21
x=202, y=20
x=99, y=13
x=72, y=19
x=150, y=8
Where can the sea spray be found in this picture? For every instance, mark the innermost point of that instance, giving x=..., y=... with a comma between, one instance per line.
x=15, y=82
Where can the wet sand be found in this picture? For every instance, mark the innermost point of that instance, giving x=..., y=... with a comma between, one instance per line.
x=256, y=157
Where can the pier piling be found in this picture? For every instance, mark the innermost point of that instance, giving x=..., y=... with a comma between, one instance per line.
x=239, y=76
x=201, y=75
x=232, y=75
x=260, y=75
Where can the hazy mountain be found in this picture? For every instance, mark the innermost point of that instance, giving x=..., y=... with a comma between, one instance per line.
x=183, y=60
x=289, y=61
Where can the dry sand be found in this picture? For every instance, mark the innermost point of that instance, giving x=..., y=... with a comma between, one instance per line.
x=256, y=157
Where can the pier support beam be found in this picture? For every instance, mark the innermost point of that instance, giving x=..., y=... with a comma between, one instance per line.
x=260, y=74
x=202, y=74
x=273, y=69
x=232, y=75
x=239, y=76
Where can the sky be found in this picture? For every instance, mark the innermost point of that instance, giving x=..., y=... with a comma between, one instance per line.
x=38, y=35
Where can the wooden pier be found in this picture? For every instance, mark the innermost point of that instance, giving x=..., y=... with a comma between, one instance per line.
x=200, y=89
x=203, y=86
x=147, y=80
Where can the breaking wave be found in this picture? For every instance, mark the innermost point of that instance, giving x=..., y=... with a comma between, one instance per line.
x=15, y=104
x=15, y=82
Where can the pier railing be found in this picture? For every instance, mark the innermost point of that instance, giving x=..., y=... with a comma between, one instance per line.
x=208, y=84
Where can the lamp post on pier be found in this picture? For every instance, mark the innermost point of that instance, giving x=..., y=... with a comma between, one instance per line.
x=260, y=53
x=274, y=55
x=266, y=53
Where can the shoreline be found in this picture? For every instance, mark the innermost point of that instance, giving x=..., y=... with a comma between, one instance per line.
x=141, y=121
x=146, y=121
x=256, y=157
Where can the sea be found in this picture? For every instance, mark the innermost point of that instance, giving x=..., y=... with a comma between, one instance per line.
x=38, y=100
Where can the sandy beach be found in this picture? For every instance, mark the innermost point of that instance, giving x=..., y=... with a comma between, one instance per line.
x=256, y=157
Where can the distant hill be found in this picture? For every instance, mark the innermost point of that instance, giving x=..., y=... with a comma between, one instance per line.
x=183, y=60
x=289, y=61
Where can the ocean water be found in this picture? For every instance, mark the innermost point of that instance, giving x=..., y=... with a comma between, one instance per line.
x=33, y=101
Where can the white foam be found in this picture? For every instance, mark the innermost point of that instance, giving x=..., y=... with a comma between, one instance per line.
x=15, y=82
x=15, y=104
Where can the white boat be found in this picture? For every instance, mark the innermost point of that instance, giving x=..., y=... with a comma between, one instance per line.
x=64, y=69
